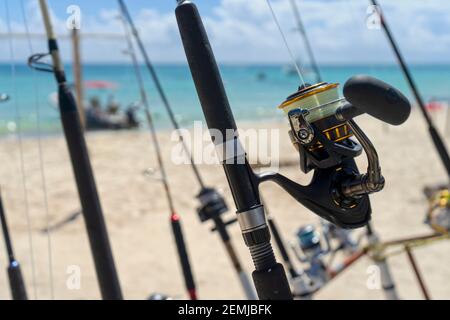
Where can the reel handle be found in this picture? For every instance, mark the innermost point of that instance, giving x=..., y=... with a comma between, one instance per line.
x=376, y=98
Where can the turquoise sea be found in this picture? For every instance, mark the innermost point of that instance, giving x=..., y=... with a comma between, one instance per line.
x=252, y=96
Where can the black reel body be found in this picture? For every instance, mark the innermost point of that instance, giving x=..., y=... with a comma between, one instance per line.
x=324, y=145
x=322, y=129
x=322, y=142
x=212, y=207
x=212, y=204
x=323, y=196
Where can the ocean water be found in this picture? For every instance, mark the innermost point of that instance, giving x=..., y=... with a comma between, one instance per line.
x=252, y=96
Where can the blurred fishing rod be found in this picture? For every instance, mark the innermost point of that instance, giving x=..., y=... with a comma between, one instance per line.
x=174, y=217
x=435, y=136
x=16, y=282
x=212, y=204
x=304, y=36
x=93, y=216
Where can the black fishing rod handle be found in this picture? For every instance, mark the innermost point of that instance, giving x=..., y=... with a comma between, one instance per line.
x=90, y=202
x=183, y=256
x=214, y=101
x=204, y=69
x=16, y=282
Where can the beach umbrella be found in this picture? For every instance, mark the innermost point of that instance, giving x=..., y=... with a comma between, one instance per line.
x=100, y=84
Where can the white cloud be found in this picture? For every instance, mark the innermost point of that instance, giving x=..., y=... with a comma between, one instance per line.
x=243, y=31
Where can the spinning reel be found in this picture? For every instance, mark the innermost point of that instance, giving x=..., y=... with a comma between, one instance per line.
x=438, y=215
x=212, y=206
x=321, y=128
x=312, y=252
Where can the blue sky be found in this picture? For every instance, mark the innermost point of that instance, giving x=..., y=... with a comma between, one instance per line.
x=242, y=31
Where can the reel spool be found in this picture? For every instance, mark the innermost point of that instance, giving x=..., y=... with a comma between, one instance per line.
x=320, y=138
x=309, y=240
x=438, y=215
x=212, y=205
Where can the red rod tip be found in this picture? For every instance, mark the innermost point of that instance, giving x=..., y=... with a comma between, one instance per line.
x=192, y=294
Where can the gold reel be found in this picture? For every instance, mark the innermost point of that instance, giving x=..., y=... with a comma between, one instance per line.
x=438, y=215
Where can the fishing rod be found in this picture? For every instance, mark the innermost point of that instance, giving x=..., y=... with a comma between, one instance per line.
x=435, y=136
x=16, y=282
x=175, y=220
x=304, y=35
x=212, y=204
x=93, y=216
x=274, y=231
x=321, y=126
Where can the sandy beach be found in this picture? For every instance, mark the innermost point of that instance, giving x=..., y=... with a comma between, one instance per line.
x=138, y=217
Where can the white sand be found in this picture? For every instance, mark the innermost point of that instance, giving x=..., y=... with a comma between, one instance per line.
x=137, y=216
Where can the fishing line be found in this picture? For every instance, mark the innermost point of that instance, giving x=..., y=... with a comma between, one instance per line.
x=134, y=32
x=16, y=282
x=297, y=68
x=41, y=154
x=149, y=117
x=304, y=35
x=174, y=217
x=212, y=204
x=372, y=68
x=20, y=142
x=432, y=130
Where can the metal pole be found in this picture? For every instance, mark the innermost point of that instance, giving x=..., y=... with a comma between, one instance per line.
x=417, y=273
x=78, y=75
